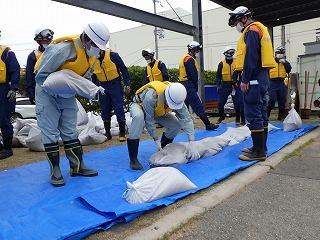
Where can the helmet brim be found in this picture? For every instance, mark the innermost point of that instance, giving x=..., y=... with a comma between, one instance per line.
x=170, y=102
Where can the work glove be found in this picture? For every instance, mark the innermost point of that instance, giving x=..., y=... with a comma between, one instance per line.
x=127, y=89
x=282, y=60
x=193, y=153
x=158, y=143
x=11, y=95
x=31, y=99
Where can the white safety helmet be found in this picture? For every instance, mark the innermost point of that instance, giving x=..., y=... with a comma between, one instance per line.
x=98, y=33
x=237, y=14
x=175, y=94
x=229, y=51
x=43, y=34
x=147, y=52
x=194, y=45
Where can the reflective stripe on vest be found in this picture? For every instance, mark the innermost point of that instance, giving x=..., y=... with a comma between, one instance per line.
x=3, y=68
x=154, y=73
x=278, y=72
x=227, y=71
x=161, y=108
x=182, y=68
x=80, y=64
x=267, y=58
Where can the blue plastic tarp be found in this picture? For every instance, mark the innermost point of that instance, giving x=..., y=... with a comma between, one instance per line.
x=32, y=209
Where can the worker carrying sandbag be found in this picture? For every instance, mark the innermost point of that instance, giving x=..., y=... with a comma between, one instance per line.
x=57, y=116
x=155, y=102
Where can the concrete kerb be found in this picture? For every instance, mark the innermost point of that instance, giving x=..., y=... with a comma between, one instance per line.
x=226, y=189
x=276, y=158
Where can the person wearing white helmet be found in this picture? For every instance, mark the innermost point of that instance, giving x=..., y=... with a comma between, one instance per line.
x=109, y=71
x=43, y=36
x=226, y=86
x=188, y=76
x=156, y=70
x=155, y=102
x=278, y=88
x=56, y=116
x=9, y=84
x=254, y=58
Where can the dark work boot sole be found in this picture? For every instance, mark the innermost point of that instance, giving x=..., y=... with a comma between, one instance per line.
x=57, y=182
x=249, y=157
x=86, y=173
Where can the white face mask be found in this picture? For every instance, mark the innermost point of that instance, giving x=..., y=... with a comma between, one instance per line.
x=279, y=56
x=45, y=45
x=197, y=55
x=149, y=61
x=239, y=27
x=93, y=52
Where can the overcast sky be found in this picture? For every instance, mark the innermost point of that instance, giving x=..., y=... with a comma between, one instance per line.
x=20, y=18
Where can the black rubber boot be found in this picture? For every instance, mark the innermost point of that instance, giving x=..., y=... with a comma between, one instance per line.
x=243, y=119
x=250, y=149
x=269, y=111
x=52, y=151
x=281, y=114
x=74, y=153
x=133, y=147
x=209, y=126
x=7, y=147
x=238, y=118
x=122, y=129
x=221, y=116
x=107, y=125
x=258, y=153
x=266, y=132
x=165, y=141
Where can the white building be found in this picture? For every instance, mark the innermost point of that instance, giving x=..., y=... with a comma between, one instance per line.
x=217, y=34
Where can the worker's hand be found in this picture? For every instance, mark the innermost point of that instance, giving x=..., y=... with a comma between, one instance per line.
x=244, y=87
x=282, y=60
x=11, y=95
x=31, y=99
x=127, y=89
x=158, y=143
x=193, y=153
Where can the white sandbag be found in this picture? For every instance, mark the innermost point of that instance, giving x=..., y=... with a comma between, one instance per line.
x=66, y=83
x=82, y=116
x=114, y=131
x=15, y=140
x=20, y=123
x=114, y=122
x=236, y=135
x=272, y=128
x=292, y=121
x=173, y=153
x=157, y=183
x=22, y=140
x=176, y=153
x=89, y=135
x=34, y=141
x=25, y=130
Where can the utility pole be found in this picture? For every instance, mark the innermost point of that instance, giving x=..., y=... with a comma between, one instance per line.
x=155, y=31
x=283, y=36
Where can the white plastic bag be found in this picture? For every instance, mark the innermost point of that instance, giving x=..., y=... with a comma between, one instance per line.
x=90, y=135
x=157, y=183
x=82, y=116
x=34, y=140
x=292, y=121
x=66, y=83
